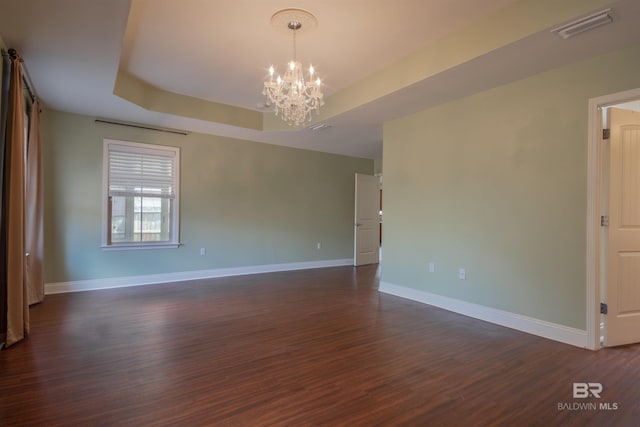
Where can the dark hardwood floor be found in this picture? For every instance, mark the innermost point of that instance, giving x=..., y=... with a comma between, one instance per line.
x=315, y=347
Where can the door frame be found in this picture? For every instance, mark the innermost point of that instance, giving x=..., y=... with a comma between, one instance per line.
x=594, y=206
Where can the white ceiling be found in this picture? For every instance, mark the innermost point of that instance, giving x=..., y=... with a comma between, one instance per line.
x=229, y=45
x=220, y=51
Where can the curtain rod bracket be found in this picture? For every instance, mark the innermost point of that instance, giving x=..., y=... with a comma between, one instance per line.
x=13, y=53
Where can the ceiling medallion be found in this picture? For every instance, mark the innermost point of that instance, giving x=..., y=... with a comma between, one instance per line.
x=294, y=97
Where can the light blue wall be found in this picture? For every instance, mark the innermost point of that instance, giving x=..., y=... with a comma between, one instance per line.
x=247, y=203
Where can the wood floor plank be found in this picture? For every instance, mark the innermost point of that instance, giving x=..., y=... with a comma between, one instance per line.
x=315, y=347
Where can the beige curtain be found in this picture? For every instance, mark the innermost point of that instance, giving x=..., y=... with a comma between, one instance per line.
x=34, y=280
x=13, y=210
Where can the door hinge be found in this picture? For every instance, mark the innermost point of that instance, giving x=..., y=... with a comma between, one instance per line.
x=604, y=221
x=606, y=133
x=603, y=308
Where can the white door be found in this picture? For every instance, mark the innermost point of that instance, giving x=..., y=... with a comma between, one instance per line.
x=622, y=295
x=367, y=226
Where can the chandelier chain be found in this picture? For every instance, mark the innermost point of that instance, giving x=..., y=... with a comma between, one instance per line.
x=295, y=51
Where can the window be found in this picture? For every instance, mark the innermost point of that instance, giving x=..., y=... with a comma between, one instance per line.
x=141, y=183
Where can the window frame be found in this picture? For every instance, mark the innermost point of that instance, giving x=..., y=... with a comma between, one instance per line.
x=174, y=214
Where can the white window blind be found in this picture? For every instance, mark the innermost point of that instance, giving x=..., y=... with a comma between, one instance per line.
x=137, y=173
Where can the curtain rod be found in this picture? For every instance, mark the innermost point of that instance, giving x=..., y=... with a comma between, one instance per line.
x=134, y=125
x=25, y=77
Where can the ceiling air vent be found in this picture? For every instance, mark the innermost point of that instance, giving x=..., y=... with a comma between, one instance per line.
x=584, y=24
x=320, y=126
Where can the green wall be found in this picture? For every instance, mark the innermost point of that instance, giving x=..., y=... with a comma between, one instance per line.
x=247, y=203
x=496, y=183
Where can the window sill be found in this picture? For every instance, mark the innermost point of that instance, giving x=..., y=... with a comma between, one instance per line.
x=139, y=246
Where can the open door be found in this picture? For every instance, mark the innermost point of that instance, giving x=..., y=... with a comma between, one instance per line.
x=622, y=290
x=366, y=227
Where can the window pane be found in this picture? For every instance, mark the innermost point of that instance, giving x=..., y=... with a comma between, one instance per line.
x=118, y=219
x=140, y=219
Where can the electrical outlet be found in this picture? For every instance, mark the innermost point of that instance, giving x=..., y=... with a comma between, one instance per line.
x=203, y=251
x=318, y=245
x=432, y=267
x=462, y=274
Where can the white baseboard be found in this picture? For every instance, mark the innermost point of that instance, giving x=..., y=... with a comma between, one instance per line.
x=553, y=331
x=150, y=279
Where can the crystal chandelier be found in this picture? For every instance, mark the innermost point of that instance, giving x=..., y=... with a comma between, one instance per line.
x=293, y=96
